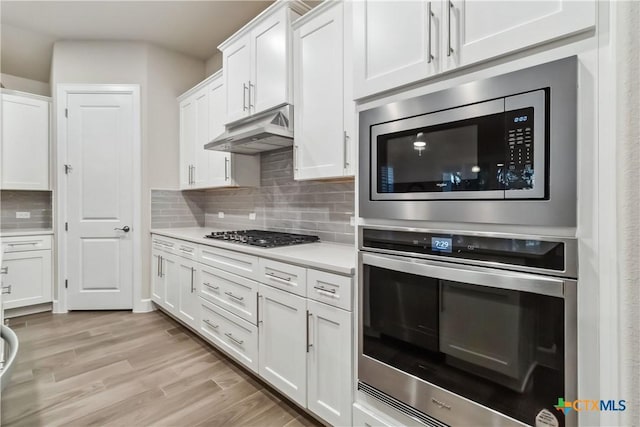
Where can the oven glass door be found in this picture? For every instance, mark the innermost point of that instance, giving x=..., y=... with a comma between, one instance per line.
x=501, y=348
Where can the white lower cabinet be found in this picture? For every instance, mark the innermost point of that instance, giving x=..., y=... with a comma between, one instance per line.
x=187, y=293
x=28, y=279
x=329, y=363
x=283, y=341
x=157, y=281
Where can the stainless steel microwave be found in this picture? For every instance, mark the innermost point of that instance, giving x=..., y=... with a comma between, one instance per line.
x=500, y=150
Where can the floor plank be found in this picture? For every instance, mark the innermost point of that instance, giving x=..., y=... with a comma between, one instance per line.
x=124, y=369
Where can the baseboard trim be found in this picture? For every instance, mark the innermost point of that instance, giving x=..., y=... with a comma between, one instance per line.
x=143, y=306
x=25, y=311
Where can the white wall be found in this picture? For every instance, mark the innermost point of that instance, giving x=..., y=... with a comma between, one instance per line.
x=162, y=76
x=10, y=81
x=214, y=63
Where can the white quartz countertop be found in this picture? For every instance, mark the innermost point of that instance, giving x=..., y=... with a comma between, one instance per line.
x=25, y=232
x=333, y=257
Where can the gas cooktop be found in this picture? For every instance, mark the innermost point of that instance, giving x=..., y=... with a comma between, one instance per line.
x=264, y=239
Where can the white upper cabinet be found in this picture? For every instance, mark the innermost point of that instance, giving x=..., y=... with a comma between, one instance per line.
x=257, y=61
x=399, y=43
x=202, y=115
x=324, y=112
x=25, y=141
x=393, y=42
x=479, y=30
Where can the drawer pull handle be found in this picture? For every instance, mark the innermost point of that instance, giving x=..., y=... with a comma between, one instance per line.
x=320, y=288
x=23, y=244
x=209, y=285
x=234, y=296
x=183, y=249
x=4, y=270
x=6, y=290
x=275, y=276
x=211, y=324
x=234, y=339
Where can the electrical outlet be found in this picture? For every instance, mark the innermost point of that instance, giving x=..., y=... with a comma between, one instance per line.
x=220, y=214
x=252, y=216
x=23, y=215
x=352, y=221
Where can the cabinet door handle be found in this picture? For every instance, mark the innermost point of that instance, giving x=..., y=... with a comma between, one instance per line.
x=287, y=279
x=259, y=310
x=4, y=270
x=449, y=48
x=295, y=158
x=429, y=19
x=251, y=86
x=193, y=270
x=158, y=267
x=161, y=266
x=321, y=288
x=309, y=345
x=244, y=97
x=211, y=324
x=345, y=143
x=234, y=339
x=235, y=297
x=226, y=169
x=6, y=290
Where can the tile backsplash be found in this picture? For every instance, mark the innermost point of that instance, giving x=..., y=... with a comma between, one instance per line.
x=280, y=204
x=37, y=203
x=171, y=209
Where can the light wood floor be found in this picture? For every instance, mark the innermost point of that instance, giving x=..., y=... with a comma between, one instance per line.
x=124, y=369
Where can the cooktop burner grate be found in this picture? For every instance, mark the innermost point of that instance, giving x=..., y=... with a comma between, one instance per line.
x=264, y=239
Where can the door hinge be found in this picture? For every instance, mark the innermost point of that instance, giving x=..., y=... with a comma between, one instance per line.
x=66, y=113
x=66, y=226
x=66, y=284
x=67, y=169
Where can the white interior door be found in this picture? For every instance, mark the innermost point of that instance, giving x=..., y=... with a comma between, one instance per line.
x=100, y=150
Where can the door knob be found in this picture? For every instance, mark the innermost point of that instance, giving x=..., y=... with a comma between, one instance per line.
x=125, y=229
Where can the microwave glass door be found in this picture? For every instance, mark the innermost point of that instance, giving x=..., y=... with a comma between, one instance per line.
x=501, y=348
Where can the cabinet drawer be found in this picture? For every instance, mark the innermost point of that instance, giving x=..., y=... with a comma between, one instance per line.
x=25, y=243
x=186, y=249
x=288, y=277
x=230, y=261
x=365, y=418
x=163, y=244
x=329, y=288
x=235, y=336
x=236, y=294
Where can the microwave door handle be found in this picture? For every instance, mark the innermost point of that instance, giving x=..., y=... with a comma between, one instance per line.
x=472, y=275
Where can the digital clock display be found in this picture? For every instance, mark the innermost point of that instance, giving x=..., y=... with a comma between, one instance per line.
x=441, y=244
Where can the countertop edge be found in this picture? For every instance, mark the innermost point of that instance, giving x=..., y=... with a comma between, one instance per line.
x=18, y=233
x=331, y=268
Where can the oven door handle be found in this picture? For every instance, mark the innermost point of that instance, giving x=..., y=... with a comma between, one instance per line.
x=481, y=276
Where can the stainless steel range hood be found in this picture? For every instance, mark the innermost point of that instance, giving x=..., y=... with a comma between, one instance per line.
x=268, y=131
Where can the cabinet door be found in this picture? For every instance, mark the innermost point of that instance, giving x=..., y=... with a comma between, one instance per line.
x=201, y=157
x=25, y=143
x=282, y=341
x=30, y=277
x=319, y=97
x=329, y=363
x=480, y=30
x=187, y=141
x=170, y=275
x=157, y=282
x=237, y=73
x=219, y=162
x=269, y=60
x=187, y=292
x=392, y=43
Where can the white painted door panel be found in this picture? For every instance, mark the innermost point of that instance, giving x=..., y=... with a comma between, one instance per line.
x=157, y=282
x=30, y=277
x=237, y=73
x=100, y=198
x=282, y=341
x=391, y=44
x=219, y=162
x=187, y=141
x=319, y=97
x=482, y=30
x=25, y=143
x=270, y=74
x=171, y=277
x=201, y=157
x=329, y=363
x=188, y=297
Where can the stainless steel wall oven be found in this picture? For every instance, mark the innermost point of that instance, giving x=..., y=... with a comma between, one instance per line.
x=468, y=328
x=500, y=150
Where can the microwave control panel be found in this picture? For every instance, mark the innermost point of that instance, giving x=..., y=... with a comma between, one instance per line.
x=519, y=173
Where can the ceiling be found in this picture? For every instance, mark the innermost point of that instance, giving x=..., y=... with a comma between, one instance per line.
x=29, y=28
